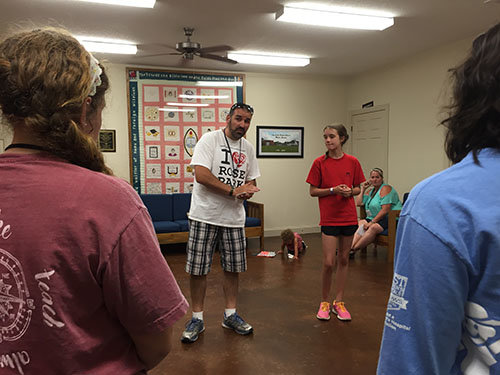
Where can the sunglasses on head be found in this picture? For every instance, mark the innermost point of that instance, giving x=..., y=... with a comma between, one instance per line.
x=242, y=106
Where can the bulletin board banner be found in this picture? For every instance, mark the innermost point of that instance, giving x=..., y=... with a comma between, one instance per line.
x=169, y=112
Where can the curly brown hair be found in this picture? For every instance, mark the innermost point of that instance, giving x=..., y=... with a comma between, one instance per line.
x=45, y=76
x=287, y=236
x=474, y=119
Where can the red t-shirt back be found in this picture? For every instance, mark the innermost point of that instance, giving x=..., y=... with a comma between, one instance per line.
x=80, y=268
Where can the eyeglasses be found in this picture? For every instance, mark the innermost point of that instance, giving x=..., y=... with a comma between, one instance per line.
x=242, y=106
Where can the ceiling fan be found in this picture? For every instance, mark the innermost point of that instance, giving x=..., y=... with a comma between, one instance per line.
x=189, y=49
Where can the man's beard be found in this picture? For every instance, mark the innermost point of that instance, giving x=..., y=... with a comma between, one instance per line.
x=235, y=134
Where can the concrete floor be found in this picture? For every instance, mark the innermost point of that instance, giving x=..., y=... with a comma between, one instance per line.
x=280, y=298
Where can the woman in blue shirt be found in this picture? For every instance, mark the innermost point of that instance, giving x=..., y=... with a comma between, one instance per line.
x=378, y=201
x=443, y=313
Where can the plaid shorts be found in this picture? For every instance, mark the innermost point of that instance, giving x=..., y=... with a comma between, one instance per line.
x=202, y=242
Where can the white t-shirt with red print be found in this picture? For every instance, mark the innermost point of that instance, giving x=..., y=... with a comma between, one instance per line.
x=233, y=165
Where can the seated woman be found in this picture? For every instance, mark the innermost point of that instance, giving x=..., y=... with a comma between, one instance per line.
x=378, y=201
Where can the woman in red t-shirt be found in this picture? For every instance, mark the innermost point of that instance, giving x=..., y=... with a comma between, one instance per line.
x=335, y=178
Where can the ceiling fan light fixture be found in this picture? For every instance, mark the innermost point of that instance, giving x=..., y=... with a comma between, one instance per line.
x=105, y=45
x=310, y=14
x=263, y=58
x=128, y=3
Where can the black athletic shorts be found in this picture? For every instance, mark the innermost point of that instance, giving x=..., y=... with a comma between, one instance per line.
x=384, y=223
x=337, y=230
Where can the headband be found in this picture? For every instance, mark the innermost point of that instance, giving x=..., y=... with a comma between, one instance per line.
x=379, y=171
x=95, y=73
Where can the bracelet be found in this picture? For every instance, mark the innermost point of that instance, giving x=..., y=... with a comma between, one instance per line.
x=231, y=191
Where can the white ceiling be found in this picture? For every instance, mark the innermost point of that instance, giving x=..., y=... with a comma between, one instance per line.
x=249, y=25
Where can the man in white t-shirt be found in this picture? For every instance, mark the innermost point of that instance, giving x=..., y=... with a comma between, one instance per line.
x=225, y=168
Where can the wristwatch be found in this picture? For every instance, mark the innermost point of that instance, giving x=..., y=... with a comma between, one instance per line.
x=231, y=192
x=331, y=190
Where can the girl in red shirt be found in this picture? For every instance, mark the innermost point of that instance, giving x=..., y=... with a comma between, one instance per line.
x=335, y=178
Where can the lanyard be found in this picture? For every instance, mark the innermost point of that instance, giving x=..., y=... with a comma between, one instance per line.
x=231, y=154
x=371, y=198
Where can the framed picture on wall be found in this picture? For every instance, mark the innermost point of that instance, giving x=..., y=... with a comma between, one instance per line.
x=280, y=142
x=107, y=140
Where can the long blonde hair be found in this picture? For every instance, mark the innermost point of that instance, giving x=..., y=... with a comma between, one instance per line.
x=45, y=79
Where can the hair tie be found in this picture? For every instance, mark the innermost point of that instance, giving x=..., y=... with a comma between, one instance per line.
x=95, y=73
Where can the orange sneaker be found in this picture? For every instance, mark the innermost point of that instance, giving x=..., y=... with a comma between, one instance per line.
x=339, y=309
x=324, y=311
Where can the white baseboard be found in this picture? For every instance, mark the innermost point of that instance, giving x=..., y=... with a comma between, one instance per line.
x=301, y=230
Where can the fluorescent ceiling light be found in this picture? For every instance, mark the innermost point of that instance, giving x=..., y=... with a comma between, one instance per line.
x=189, y=104
x=219, y=83
x=105, y=45
x=187, y=96
x=263, y=58
x=128, y=3
x=349, y=18
x=177, y=109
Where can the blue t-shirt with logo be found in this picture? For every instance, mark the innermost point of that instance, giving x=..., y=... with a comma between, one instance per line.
x=443, y=314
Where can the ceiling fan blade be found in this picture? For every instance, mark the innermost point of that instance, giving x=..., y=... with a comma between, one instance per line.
x=219, y=58
x=215, y=49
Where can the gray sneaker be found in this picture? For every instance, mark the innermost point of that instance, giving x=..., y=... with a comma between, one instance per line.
x=193, y=328
x=237, y=324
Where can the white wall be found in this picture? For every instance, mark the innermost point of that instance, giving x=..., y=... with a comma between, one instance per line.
x=293, y=101
x=416, y=90
x=311, y=102
x=115, y=116
x=5, y=134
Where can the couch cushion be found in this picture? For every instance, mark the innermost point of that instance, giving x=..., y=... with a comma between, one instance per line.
x=166, y=226
x=159, y=206
x=181, y=204
x=252, y=222
x=183, y=224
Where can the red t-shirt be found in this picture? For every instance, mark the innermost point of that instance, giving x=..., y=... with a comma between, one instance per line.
x=80, y=268
x=327, y=172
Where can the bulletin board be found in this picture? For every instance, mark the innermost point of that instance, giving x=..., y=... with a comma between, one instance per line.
x=162, y=140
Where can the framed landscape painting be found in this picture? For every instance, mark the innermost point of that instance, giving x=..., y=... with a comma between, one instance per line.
x=280, y=142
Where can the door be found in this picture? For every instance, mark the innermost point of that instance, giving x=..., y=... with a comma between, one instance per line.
x=370, y=138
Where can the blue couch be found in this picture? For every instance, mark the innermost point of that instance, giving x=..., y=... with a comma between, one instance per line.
x=169, y=214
